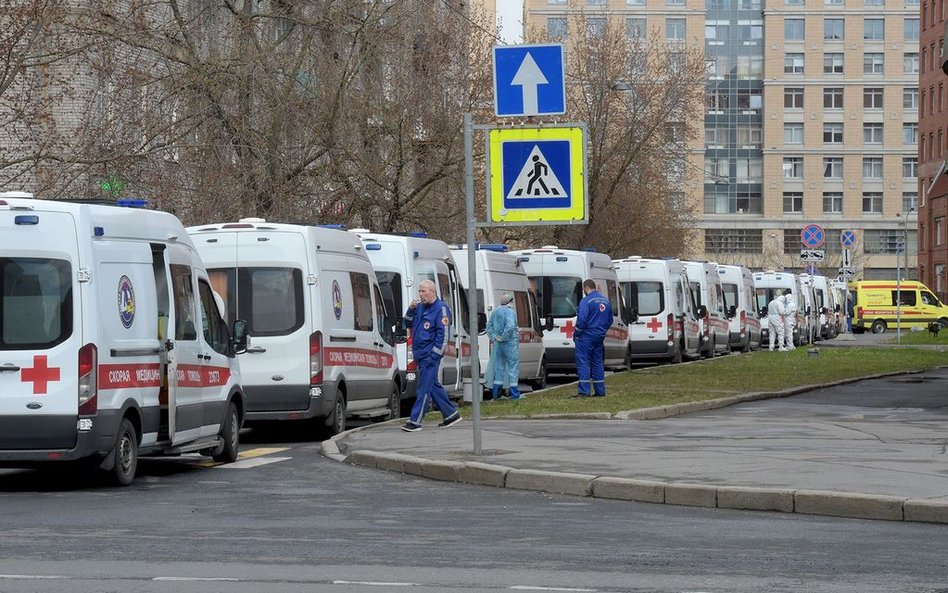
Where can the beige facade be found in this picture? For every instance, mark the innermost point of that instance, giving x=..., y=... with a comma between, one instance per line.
x=833, y=145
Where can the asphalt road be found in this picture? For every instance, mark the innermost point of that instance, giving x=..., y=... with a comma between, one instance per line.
x=287, y=519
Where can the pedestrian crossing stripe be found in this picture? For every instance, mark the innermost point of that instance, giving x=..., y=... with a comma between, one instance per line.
x=256, y=453
x=536, y=175
x=536, y=179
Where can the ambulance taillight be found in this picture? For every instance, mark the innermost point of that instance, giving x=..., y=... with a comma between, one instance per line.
x=88, y=380
x=411, y=365
x=316, y=359
x=670, y=326
x=743, y=321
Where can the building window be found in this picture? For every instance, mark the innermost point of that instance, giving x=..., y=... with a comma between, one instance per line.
x=872, y=167
x=792, y=243
x=793, y=98
x=910, y=97
x=750, y=67
x=833, y=29
x=749, y=170
x=833, y=63
x=909, y=201
x=793, y=29
x=833, y=133
x=556, y=1
x=596, y=2
x=939, y=231
x=793, y=133
x=910, y=62
x=833, y=98
x=909, y=167
x=872, y=133
x=872, y=98
x=715, y=137
x=749, y=100
x=872, y=202
x=910, y=133
x=793, y=167
x=793, y=2
x=834, y=2
x=873, y=63
x=833, y=167
x=675, y=29
x=886, y=241
x=833, y=202
x=635, y=2
x=716, y=169
x=635, y=28
x=911, y=29
x=675, y=2
x=873, y=29
x=749, y=135
x=733, y=240
x=875, y=2
x=556, y=28
x=595, y=27
x=793, y=64
x=792, y=202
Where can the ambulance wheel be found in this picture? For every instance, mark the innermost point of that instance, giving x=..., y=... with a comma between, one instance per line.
x=126, y=454
x=676, y=356
x=394, y=403
x=540, y=382
x=230, y=434
x=878, y=326
x=628, y=358
x=336, y=423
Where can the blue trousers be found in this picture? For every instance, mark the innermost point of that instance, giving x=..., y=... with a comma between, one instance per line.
x=430, y=389
x=590, y=366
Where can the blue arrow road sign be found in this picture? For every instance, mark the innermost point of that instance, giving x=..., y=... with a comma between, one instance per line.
x=847, y=238
x=812, y=235
x=529, y=80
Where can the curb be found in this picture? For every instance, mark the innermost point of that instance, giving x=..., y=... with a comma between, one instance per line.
x=804, y=502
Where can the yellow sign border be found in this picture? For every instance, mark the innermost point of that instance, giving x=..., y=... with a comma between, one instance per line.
x=576, y=213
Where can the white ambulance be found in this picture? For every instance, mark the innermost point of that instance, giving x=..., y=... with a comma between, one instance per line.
x=825, y=306
x=557, y=277
x=112, y=343
x=400, y=263
x=738, y=285
x=665, y=325
x=321, y=344
x=770, y=284
x=499, y=272
x=709, y=297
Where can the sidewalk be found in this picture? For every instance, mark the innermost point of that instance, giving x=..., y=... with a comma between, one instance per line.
x=868, y=449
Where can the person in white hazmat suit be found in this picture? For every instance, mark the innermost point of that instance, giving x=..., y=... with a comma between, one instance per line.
x=775, y=320
x=789, y=320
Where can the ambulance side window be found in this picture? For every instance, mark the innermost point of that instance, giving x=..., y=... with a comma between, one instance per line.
x=522, y=304
x=383, y=317
x=613, y=294
x=390, y=285
x=361, y=301
x=929, y=299
x=215, y=332
x=35, y=302
x=183, y=288
x=907, y=296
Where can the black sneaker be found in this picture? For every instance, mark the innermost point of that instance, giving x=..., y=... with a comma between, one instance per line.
x=450, y=420
x=411, y=427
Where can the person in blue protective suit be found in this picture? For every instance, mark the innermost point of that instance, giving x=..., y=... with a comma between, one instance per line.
x=504, y=366
x=593, y=320
x=430, y=321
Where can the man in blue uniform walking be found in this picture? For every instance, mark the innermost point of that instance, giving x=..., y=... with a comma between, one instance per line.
x=593, y=320
x=430, y=320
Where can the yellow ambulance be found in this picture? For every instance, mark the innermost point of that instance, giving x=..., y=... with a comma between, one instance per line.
x=876, y=305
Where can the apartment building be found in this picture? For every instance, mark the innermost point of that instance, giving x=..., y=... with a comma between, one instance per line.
x=932, y=166
x=811, y=117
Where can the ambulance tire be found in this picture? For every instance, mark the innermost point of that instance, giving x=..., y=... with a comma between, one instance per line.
x=336, y=422
x=943, y=322
x=628, y=358
x=394, y=403
x=878, y=326
x=676, y=357
x=126, y=454
x=230, y=434
x=540, y=382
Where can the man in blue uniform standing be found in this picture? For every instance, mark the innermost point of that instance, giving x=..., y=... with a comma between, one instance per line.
x=430, y=320
x=593, y=320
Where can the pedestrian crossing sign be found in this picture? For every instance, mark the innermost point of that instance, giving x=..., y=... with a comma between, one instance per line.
x=537, y=175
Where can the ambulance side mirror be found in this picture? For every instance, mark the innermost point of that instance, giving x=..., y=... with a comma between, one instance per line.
x=632, y=314
x=836, y=308
x=482, y=323
x=763, y=312
x=239, y=339
x=401, y=333
x=732, y=312
x=702, y=311
x=548, y=323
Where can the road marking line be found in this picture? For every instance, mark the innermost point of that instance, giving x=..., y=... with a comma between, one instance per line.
x=31, y=576
x=376, y=583
x=186, y=579
x=248, y=454
x=248, y=463
x=535, y=588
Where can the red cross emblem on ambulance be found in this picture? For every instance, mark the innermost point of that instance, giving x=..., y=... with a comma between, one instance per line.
x=654, y=325
x=568, y=329
x=40, y=374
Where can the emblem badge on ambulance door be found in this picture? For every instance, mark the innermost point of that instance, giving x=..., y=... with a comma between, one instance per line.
x=126, y=302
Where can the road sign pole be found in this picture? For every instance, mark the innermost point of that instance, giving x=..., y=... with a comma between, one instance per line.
x=476, y=390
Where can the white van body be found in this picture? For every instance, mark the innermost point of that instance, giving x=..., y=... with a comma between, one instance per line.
x=810, y=309
x=767, y=286
x=665, y=325
x=744, y=325
x=499, y=272
x=839, y=290
x=825, y=306
x=320, y=342
x=112, y=343
x=400, y=263
x=556, y=276
x=708, y=292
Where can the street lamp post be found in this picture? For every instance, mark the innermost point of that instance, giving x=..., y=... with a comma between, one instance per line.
x=902, y=252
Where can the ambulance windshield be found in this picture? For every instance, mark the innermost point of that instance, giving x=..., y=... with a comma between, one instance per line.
x=558, y=295
x=35, y=302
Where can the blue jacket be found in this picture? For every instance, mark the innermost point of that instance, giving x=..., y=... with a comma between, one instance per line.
x=594, y=317
x=429, y=330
